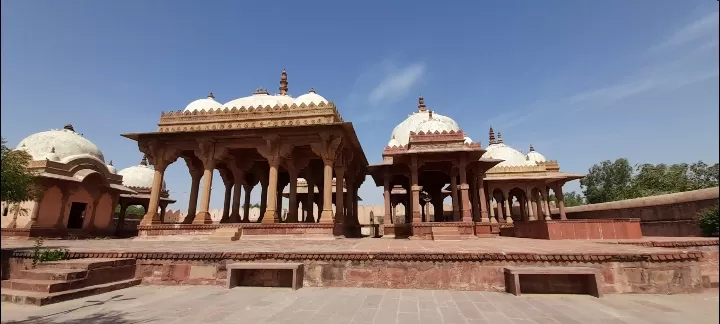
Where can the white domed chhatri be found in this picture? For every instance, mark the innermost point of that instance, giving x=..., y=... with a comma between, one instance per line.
x=401, y=133
x=498, y=150
x=260, y=98
x=139, y=176
x=204, y=104
x=59, y=145
x=535, y=156
x=310, y=97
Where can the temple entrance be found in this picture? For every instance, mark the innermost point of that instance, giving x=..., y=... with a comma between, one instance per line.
x=77, y=215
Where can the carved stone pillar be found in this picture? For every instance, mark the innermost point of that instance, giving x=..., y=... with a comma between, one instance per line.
x=293, y=205
x=500, y=211
x=548, y=215
x=454, y=194
x=327, y=150
x=415, y=187
x=246, y=208
x=560, y=200
x=227, y=179
x=508, y=207
x=263, y=195
x=493, y=219
x=350, y=216
x=386, y=197
x=310, y=203
x=238, y=180
x=339, y=196
x=529, y=205
x=522, y=206
x=482, y=198
x=464, y=193
x=274, y=151
x=163, y=208
x=474, y=198
x=196, y=173
x=209, y=154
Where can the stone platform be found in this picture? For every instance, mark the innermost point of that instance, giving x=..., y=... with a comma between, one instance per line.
x=630, y=266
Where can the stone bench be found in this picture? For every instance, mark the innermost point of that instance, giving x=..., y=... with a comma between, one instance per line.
x=237, y=272
x=592, y=277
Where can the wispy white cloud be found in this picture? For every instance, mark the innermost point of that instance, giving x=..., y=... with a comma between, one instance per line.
x=697, y=29
x=397, y=83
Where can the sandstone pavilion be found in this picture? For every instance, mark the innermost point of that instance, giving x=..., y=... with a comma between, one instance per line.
x=429, y=157
x=262, y=142
x=78, y=189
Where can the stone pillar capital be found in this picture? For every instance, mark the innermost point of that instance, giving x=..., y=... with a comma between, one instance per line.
x=209, y=153
x=328, y=148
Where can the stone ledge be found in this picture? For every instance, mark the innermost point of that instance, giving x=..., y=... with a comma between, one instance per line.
x=388, y=256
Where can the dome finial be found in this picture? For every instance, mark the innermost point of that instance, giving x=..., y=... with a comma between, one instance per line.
x=283, y=83
x=69, y=127
x=500, y=140
x=52, y=150
x=110, y=164
x=312, y=90
x=211, y=95
x=144, y=162
x=430, y=114
x=492, y=136
x=421, y=104
x=532, y=148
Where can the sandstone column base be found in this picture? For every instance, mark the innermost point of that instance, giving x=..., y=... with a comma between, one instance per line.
x=150, y=219
x=202, y=218
x=270, y=217
x=326, y=217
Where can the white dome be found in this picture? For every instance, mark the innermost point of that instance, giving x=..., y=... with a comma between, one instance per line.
x=65, y=143
x=535, y=156
x=393, y=143
x=203, y=104
x=139, y=176
x=468, y=140
x=310, y=97
x=401, y=133
x=511, y=156
x=434, y=125
x=260, y=98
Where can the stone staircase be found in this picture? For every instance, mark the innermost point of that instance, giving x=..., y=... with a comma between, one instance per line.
x=446, y=233
x=225, y=234
x=57, y=281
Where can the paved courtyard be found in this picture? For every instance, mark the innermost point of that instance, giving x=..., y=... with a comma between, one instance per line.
x=485, y=245
x=194, y=304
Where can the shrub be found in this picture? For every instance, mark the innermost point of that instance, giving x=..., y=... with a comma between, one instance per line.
x=708, y=221
x=40, y=255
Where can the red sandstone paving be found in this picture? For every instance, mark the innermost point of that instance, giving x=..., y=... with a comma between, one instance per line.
x=367, y=245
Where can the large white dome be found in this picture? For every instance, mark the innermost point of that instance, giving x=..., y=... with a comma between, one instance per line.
x=59, y=145
x=139, y=176
x=260, y=98
x=310, y=97
x=204, y=104
x=401, y=133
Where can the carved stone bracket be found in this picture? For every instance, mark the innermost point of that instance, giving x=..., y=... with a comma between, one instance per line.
x=227, y=176
x=196, y=170
x=209, y=153
x=158, y=155
x=328, y=148
x=274, y=150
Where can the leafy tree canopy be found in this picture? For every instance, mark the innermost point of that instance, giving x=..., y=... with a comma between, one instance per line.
x=18, y=183
x=618, y=180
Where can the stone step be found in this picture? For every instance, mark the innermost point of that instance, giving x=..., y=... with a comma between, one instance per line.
x=225, y=234
x=87, y=264
x=447, y=237
x=445, y=230
x=42, y=298
x=52, y=274
x=46, y=286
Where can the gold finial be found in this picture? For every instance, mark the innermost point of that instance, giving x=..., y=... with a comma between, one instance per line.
x=144, y=160
x=500, y=140
x=532, y=148
x=69, y=127
x=211, y=95
x=421, y=104
x=283, y=83
x=492, y=136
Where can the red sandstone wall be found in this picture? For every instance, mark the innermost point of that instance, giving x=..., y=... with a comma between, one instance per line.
x=663, y=215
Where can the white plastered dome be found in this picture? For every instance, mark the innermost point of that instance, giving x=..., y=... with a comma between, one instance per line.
x=310, y=97
x=535, y=156
x=59, y=145
x=434, y=125
x=260, y=98
x=401, y=133
x=139, y=176
x=206, y=104
x=468, y=140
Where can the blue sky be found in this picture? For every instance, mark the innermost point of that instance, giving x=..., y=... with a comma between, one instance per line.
x=583, y=81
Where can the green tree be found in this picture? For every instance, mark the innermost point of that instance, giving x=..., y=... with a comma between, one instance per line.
x=608, y=181
x=18, y=183
x=573, y=199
